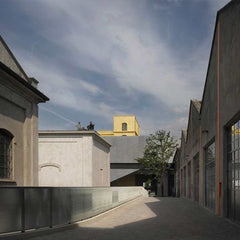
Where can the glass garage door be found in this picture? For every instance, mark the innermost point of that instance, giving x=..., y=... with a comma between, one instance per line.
x=234, y=172
x=184, y=186
x=196, y=177
x=182, y=183
x=210, y=177
x=189, y=181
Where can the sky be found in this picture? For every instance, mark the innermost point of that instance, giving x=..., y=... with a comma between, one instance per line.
x=98, y=58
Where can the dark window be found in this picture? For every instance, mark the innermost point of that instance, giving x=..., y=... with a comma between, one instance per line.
x=234, y=171
x=210, y=177
x=124, y=126
x=5, y=154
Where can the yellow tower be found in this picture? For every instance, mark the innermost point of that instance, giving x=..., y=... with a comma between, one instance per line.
x=126, y=125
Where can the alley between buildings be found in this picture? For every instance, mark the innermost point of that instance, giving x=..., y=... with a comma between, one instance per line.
x=151, y=218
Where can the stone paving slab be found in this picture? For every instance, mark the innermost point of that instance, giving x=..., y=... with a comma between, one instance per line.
x=152, y=218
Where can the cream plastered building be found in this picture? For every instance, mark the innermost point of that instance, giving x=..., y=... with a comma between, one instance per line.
x=124, y=125
x=19, y=98
x=73, y=158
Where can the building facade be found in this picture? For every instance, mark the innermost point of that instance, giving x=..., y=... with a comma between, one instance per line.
x=19, y=98
x=209, y=158
x=73, y=158
x=123, y=126
x=126, y=171
x=124, y=167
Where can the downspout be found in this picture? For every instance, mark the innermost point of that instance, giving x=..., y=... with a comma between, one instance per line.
x=191, y=155
x=218, y=122
x=200, y=163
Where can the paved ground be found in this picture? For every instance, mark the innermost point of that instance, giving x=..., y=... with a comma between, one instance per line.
x=152, y=218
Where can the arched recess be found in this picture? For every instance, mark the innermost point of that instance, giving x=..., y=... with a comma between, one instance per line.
x=50, y=165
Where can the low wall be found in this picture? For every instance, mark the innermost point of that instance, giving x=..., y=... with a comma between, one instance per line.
x=25, y=208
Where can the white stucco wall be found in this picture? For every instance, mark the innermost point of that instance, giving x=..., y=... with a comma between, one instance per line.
x=65, y=161
x=73, y=160
x=101, y=164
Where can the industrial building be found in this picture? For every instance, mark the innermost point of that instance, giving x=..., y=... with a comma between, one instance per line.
x=208, y=161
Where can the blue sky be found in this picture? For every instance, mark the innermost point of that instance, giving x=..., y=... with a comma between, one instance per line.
x=99, y=58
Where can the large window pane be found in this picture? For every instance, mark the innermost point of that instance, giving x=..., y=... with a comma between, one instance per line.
x=234, y=171
x=196, y=177
x=210, y=177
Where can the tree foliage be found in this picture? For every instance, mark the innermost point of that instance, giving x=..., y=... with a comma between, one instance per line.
x=159, y=149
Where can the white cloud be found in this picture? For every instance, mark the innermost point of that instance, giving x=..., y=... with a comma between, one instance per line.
x=119, y=39
x=109, y=38
x=65, y=91
x=58, y=115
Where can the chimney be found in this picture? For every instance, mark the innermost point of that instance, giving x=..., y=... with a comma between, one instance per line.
x=34, y=82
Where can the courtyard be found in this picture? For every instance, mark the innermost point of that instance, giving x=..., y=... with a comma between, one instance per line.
x=149, y=218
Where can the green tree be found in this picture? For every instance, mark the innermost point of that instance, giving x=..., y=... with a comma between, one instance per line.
x=159, y=148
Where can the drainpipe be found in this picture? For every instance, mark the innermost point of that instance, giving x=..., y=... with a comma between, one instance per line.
x=218, y=123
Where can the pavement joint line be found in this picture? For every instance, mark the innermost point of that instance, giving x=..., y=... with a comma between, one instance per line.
x=46, y=230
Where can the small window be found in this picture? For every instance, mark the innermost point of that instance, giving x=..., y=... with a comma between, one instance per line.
x=124, y=126
x=5, y=154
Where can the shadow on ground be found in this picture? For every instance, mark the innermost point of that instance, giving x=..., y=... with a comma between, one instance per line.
x=151, y=218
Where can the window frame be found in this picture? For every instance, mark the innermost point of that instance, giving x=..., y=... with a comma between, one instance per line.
x=124, y=126
x=206, y=164
x=10, y=175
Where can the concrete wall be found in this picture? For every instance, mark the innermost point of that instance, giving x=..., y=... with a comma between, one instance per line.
x=124, y=151
x=101, y=164
x=229, y=90
x=73, y=160
x=65, y=161
x=19, y=116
